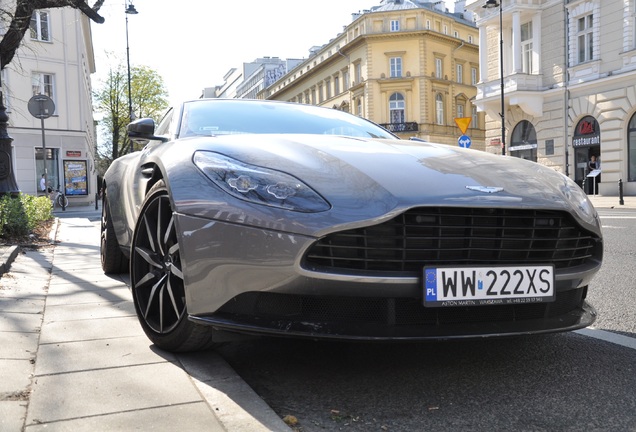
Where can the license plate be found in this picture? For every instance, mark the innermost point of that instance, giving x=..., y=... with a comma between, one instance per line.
x=480, y=286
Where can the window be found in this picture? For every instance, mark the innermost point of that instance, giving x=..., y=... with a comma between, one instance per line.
x=460, y=74
x=456, y=34
x=524, y=141
x=358, y=72
x=438, y=68
x=470, y=39
x=336, y=85
x=445, y=29
x=473, y=76
x=328, y=89
x=396, y=67
x=39, y=27
x=42, y=83
x=345, y=79
x=475, y=121
x=396, y=108
x=439, y=109
x=631, y=143
x=50, y=163
x=526, y=47
x=359, y=107
x=585, y=38
x=428, y=24
x=460, y=109
x=313, y=96
x=395, y=25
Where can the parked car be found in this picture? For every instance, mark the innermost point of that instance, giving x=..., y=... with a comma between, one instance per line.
x=272, y=218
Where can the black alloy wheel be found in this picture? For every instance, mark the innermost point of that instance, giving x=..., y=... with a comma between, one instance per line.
x=113, y=259
x=157, y=278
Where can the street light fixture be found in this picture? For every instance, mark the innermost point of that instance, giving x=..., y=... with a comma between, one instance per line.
x=130, y=10
x=489, y=5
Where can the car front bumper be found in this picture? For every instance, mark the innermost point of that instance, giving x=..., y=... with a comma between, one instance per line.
x=250, y=279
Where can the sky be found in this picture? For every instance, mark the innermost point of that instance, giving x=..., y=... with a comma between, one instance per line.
x=192, y=44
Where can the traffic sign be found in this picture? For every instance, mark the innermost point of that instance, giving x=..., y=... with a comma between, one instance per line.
x=464, y=141
x=41, y=106
x=463, y=123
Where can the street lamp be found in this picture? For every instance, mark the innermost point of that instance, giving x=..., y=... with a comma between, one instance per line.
x=489, y=5
x=130, y=10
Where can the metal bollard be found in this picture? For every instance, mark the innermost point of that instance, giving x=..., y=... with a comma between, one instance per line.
x=621, y=201
x=96, y=198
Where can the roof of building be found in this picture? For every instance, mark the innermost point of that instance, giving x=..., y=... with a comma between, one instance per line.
x=391, y=5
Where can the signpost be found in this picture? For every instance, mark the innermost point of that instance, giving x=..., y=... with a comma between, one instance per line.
x=42, y=107
x=463, y=123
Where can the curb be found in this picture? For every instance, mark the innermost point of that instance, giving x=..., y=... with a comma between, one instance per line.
x=7, y=256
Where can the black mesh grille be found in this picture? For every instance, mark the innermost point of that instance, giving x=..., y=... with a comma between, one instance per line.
x=394, y=312
x=455, y=236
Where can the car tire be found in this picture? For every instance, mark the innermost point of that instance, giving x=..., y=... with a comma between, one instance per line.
x=156, y=279
x=113, y=259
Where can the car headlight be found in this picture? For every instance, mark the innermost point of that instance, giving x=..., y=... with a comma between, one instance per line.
x=579, y=201
x=259, y=185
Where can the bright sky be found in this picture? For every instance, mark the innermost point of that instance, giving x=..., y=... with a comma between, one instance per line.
x=192, y=44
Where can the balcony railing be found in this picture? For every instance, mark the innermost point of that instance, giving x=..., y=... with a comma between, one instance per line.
x=401, y=127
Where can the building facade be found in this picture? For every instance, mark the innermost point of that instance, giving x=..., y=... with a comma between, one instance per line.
x=410, y=66
x=569, y=74
x=56, y=60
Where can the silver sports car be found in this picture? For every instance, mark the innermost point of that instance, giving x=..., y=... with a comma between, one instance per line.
x=264, y=217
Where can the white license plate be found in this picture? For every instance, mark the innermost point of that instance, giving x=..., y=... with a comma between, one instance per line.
x=478, y=286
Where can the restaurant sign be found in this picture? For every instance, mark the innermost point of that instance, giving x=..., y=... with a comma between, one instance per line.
x=587, y=133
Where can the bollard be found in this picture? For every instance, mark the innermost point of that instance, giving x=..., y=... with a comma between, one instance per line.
x=96, y=198
x=621, y=201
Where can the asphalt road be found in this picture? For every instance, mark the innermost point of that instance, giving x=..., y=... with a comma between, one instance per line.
x=563, y=382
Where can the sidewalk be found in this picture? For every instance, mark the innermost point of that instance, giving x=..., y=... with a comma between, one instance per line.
x=73, y=356
x=600, y=201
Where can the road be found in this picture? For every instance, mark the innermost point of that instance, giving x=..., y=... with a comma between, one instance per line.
x=563, y=382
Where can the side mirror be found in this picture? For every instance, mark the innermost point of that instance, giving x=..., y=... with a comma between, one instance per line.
x=143, y=130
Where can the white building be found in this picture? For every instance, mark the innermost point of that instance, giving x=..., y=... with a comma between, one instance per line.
x=569, y=73
x=55, y=59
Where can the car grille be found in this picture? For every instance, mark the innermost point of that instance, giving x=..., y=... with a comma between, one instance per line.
x=455, y=236
x=392, y=312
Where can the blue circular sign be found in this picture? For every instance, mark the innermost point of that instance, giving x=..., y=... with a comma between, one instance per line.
x=464, y=141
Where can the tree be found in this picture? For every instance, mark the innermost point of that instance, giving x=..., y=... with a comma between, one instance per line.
x=20, y=20
x=149, y=100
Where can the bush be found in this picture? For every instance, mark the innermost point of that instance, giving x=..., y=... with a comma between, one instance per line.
x=22, y=213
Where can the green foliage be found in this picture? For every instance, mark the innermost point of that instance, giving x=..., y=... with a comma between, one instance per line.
x=149, y=98
x=20, y=215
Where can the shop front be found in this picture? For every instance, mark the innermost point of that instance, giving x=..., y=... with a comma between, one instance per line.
x=586, y=143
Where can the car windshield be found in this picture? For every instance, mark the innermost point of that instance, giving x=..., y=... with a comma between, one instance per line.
x=223, y=117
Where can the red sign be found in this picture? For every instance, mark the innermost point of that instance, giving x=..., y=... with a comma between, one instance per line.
x=73, y=153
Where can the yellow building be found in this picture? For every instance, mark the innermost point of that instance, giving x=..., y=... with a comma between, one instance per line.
x=409, y=67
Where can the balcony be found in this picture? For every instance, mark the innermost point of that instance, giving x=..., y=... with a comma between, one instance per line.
x=400, y=127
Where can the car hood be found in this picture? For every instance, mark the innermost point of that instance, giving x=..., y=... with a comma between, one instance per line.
x=378, y=177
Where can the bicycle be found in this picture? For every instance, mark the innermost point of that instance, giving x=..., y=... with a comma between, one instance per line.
x=59, y=198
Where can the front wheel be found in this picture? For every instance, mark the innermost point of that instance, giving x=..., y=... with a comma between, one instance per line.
x=156, y=278
x=62, y=201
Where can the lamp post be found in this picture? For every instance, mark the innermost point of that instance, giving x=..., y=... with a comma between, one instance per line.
x=489, y=5
x=130, y=10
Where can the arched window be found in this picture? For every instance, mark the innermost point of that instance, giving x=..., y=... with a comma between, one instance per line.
x=439, y=109
x=524, y=141
x=631, y=145
x=396, y=108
